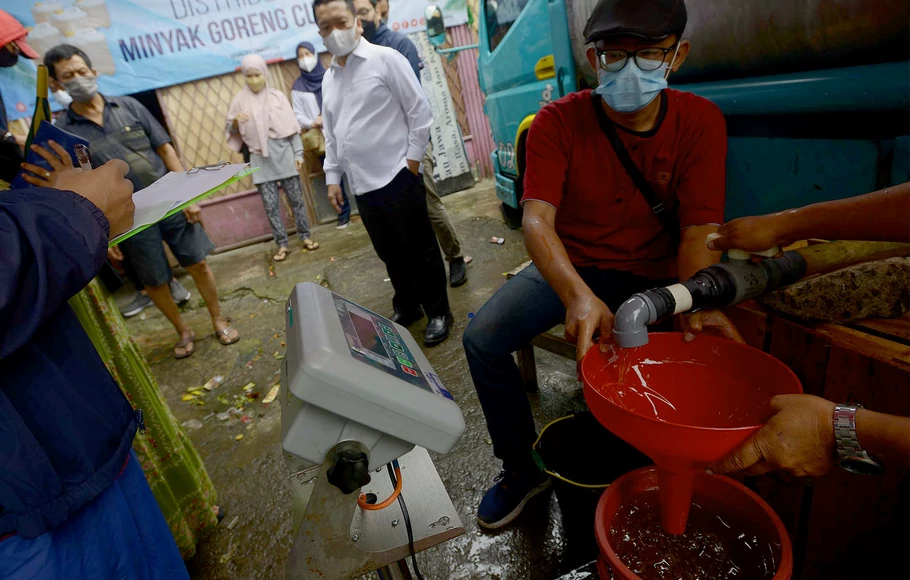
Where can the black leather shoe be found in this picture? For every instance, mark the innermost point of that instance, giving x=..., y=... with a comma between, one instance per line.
x=407, y=318
x=458, y=272
x=438, y=329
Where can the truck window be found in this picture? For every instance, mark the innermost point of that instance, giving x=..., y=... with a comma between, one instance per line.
x=501, y=14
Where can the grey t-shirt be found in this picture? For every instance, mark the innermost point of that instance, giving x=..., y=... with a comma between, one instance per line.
x=280, y=162
x=130, y=133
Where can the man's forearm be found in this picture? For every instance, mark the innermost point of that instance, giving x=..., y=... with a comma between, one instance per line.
x=53, y=243
x=693, y=254
x=169, y=155
x=552, y=260
x=884, y=436
x=878, y=216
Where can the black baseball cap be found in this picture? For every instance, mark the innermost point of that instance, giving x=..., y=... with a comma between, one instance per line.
x=651, y=19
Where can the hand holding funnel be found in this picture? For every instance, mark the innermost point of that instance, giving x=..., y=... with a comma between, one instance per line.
x=684, y=405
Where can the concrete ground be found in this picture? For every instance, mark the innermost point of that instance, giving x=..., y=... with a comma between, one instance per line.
x=250, y=474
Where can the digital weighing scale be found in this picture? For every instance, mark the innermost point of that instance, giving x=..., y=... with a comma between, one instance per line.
x=358, y=394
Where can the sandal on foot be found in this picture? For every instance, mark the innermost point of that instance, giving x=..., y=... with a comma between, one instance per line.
x=224, y=335
x=309, y=244
x=187, y=345
x=280, y=255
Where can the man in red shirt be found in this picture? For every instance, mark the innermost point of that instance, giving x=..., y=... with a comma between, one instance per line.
x=594, y=236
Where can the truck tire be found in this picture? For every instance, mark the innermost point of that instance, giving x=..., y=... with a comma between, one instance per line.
x=512, y=215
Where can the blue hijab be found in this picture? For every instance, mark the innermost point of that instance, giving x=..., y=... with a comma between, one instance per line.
x=311, y=82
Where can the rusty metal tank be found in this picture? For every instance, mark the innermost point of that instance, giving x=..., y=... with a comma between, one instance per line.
x=743, y=38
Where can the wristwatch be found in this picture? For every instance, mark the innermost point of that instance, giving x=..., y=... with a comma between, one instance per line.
x=850, y=456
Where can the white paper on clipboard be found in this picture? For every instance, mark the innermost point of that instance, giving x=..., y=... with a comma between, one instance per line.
x=175, y=189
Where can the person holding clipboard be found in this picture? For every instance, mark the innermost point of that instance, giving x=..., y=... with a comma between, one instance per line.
x=75, y=500
x=121, y=128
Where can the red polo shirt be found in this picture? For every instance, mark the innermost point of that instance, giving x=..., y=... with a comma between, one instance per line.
x=601, y=218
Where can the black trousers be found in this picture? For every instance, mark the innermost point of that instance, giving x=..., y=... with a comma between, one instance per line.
x=396, y=219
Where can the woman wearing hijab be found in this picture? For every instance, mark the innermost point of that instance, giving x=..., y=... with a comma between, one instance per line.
x=261, y=118
x=306, y=95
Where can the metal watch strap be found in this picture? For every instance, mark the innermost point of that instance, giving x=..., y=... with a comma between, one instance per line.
x=845, y=431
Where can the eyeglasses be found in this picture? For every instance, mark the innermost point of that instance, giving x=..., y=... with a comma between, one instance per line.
x=647, y=59
x=212, y=167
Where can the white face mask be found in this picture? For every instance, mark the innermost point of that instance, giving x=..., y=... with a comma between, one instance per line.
x=341, y=42
x=307, y=63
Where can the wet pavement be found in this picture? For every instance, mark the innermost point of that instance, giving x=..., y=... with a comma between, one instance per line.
x=250, y=474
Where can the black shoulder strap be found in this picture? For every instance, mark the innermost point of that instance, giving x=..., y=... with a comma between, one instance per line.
x=638, y=178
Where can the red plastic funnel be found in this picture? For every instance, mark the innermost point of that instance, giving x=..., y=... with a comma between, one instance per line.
x=720, y=494
x=683, y=404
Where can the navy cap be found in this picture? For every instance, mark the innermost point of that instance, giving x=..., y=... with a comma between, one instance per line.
x=651, y=19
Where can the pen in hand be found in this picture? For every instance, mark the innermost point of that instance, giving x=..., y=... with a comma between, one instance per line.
x=83, y=157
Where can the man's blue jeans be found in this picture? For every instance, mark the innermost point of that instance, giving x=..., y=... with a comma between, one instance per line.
x=523, y=308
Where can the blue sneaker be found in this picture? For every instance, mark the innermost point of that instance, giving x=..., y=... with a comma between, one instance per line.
x=505, y=500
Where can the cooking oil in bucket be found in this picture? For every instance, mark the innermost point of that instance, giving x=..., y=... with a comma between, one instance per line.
x=714, y=546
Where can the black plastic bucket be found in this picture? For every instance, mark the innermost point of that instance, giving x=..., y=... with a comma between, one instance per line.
x=583, y=458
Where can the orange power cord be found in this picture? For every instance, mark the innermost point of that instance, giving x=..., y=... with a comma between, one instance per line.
x=362, y=500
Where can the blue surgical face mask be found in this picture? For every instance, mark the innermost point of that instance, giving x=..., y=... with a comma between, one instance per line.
x=631, y=89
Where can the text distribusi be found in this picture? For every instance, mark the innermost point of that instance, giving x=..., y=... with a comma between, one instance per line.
x=220, y=27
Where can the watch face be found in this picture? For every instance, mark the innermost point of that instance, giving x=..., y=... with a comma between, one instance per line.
x=861, y=466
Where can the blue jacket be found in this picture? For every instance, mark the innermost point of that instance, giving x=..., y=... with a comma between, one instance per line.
x=65, y=426
x=387, y=37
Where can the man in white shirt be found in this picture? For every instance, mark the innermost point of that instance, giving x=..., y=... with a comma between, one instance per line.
x=377, y=121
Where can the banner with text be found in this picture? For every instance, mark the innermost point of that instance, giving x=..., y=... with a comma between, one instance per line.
x=139, y=45
x=452, y=171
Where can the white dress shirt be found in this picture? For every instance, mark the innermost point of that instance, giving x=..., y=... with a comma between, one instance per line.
x=306, y=109
x=375, y=117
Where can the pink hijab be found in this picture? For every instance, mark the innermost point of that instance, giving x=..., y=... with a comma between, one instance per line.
x=269, y=110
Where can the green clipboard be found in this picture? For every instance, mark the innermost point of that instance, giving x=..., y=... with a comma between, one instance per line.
x=237, y=177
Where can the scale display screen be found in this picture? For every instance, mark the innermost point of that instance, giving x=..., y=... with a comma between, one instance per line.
x=375, y=341
x=367, y=336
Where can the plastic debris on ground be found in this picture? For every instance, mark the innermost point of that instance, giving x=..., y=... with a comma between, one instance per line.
x=233, y=523
x=226, y=557
x=273, y=392
x=192, y=424
x=213, y=382
x=495, y=240
x=245, y=419
x=223, y=416
x=387, y=280
x=249, y=387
